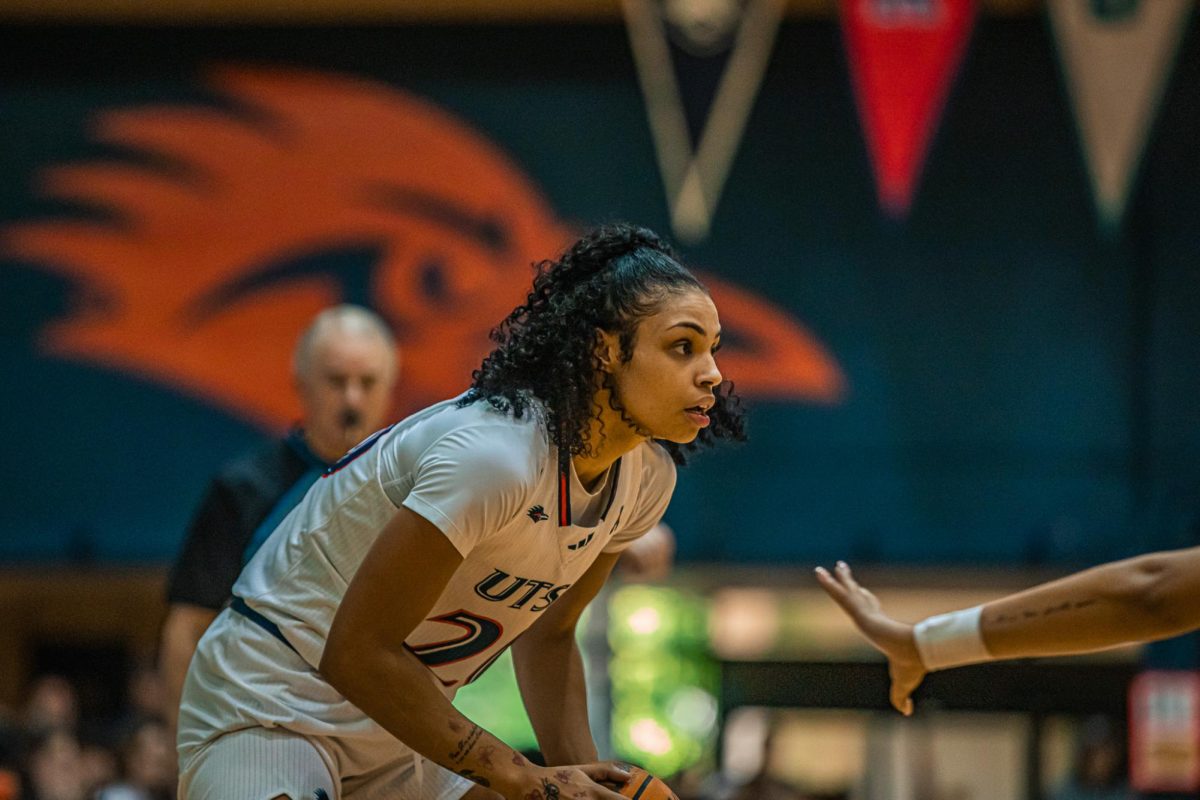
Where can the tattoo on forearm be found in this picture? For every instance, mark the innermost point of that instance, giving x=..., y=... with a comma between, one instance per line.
x=466, y=744
x=1029, y=613
x=485, y=755
x=470, y=775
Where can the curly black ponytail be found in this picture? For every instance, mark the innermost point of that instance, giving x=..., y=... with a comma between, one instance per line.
x=546, y=348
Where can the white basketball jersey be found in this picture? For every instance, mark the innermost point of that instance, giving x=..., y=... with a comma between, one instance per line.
x=493, y=485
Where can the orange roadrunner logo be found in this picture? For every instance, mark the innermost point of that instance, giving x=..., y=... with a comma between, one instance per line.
x=233, y=225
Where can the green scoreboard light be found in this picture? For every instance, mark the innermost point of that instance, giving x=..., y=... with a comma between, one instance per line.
x=662, y=677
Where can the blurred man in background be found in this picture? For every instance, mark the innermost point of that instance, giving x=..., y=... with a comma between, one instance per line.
x=345, y=367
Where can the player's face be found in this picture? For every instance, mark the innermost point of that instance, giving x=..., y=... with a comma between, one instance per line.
x=346, y=391
x=667, y=385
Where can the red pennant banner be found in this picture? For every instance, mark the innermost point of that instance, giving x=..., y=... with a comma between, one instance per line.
x=903, y=56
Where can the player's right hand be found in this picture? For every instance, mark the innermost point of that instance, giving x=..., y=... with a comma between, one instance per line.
x=892, y=638
x=575, y=782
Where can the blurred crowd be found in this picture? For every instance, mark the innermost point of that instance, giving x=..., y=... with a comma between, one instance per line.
x=49, y=750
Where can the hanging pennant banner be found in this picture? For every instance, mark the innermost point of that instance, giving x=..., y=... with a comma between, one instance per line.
x=1116, y=57
x=903, y=56
x=700, y=64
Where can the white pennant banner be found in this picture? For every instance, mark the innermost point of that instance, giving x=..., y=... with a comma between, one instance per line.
x=1116, y=57
x=695, y=176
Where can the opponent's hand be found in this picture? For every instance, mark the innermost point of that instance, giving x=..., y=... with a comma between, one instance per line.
x=576, y=782
x=892, y=638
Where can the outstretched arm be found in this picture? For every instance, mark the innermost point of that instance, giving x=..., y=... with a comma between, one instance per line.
x=1139, y=599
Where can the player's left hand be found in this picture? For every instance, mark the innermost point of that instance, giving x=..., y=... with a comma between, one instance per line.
x=608, y=773
x=892, y=638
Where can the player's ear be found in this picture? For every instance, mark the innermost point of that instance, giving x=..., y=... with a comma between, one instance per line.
x=608, y=349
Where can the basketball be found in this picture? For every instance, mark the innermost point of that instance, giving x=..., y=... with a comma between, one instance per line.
x=644, y=786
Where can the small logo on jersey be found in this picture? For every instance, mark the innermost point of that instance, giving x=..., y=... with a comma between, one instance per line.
x=582, y=543
x=537, y=514
x=320, y=794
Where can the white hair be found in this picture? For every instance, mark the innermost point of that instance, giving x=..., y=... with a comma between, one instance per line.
x=345, y=318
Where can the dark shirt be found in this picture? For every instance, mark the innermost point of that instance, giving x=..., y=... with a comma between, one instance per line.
x=245, y=502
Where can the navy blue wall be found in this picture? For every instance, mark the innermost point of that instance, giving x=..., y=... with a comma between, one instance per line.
x=1020, y=387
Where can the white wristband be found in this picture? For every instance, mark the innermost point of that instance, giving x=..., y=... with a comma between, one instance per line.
x=951, y=640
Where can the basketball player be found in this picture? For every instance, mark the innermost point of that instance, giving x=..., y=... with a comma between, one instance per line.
x=436, y=543
x=1140, y=599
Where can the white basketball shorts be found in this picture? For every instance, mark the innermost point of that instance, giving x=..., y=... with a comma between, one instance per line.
x=256, y=721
